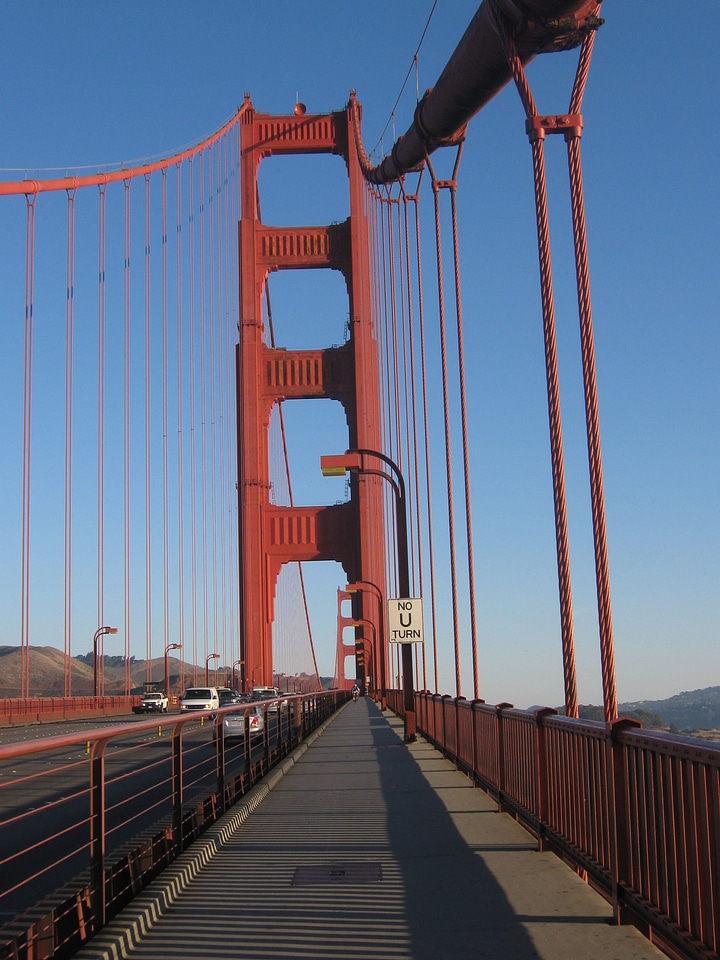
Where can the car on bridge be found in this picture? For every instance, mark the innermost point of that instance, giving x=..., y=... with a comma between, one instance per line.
x=200, y=698
x=226, y=696
x=268, y=693
x=234, y=724
x=152, y=702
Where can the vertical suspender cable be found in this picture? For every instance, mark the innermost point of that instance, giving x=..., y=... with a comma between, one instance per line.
x=126, y=427
x=193, y=418
x=405, y=462
x=102, y=238
x=27, y=445
x=211, y=321
x=537, y=139
x=222, y=390
x=203, y=410
x=283, y=435
x=592, y=416
x=180, y=421
x=428, y=484
x=148, y=443
x=452, y=186
x=414, y=414
x=165, y=405
x=69, y=356
x=448, y=450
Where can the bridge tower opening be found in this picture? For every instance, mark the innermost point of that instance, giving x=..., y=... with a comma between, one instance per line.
x=270, y=535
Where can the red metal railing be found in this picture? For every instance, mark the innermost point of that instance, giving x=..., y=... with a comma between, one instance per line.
x=39, y=709
x=638, y=811
x=88, y=819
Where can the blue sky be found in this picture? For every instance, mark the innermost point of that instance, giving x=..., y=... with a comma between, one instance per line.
x=86, y=84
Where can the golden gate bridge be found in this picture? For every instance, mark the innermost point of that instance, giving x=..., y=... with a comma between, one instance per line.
x=146, y=434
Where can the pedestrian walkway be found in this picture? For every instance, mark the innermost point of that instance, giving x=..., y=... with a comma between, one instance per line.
x=364, y=848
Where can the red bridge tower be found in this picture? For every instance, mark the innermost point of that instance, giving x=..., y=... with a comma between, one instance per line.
x=270, y=535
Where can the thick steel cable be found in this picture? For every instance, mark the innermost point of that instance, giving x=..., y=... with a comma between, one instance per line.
x=30, y=199
x=573, y=126
x=126, y=426
x=448, y=450
x=69, y=385
x=148, y=438
x=102, y=244
x=592, y=416
x=34, y=187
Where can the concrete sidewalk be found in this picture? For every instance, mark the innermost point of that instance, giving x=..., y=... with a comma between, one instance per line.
x=363, y=847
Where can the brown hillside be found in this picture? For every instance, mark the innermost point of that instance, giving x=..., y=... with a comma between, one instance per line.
x=47, y=673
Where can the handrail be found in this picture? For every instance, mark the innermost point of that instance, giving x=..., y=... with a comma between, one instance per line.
x=121, y=808
x=636, y=810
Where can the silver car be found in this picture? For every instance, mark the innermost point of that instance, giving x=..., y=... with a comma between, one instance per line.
x=234, y=723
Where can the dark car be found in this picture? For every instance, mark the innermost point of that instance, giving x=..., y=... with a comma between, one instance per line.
x=226, y=696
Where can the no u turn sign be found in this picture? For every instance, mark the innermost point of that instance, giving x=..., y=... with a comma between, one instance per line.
x=405, y=620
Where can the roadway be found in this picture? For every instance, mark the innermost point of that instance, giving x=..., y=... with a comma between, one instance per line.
x=361, y=846
x=44, y=800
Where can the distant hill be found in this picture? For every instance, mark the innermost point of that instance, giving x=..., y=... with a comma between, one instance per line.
x=47, y=673
x=688, y=712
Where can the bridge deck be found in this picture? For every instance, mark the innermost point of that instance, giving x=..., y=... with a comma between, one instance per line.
x=367, y=848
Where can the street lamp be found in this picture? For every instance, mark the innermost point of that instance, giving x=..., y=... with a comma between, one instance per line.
x=237, y=663
x=362, y=622
x=381, y=652
x=210, y=656
x=100, y=632
x=353, y=461
x=170, y=646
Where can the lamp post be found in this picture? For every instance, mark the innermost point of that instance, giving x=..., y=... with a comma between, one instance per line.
x=237, y=663
x=381, y=651
x=210, y=656
x=100, y=632
x=363, y=622
x=353, y=461
x=170, y=646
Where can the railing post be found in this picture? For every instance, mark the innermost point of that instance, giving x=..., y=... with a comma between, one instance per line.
x=177, y=785
x=617, y=799
x=475, y=741
x=501, y=752
x=97, y=833
x=443, y=712
x=543, y=789
x=220, y=755
x=456, y=707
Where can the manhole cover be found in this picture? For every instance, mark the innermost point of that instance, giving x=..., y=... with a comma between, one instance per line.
x=337, y=872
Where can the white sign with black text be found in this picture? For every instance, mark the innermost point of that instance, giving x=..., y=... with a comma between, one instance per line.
x=405, y=620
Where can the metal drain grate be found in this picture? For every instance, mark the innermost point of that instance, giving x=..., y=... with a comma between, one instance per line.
x=337, y=872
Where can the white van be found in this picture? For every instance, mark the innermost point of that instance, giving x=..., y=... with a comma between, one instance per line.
x=200, y=698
